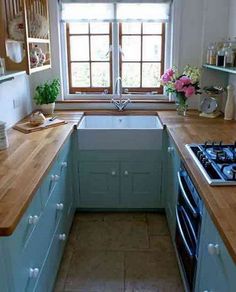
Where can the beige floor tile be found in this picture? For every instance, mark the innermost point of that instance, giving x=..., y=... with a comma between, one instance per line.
x=90, y=217
x=115, y=235
x=162, y=244
x=96, y=271
x=146, y=271
x=125, y=217
x=157, y=224
x=64, y=268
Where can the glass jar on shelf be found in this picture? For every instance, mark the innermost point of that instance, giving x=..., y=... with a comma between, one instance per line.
x=211, y=54
x=229, y=56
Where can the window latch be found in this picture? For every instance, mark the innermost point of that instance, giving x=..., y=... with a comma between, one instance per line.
x=121, y=51
x=109, y=51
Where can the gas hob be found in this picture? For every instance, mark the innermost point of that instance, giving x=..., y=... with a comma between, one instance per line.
x=216, y=161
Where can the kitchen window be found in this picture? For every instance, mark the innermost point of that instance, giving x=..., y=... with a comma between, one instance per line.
x=104, y=41
x=89, y=59
x=142, y=58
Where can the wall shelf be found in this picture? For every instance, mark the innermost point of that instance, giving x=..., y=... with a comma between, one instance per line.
x=10, y=75
x=231, y=70
x=26, y=11
x=40, y=41
x=40, y=68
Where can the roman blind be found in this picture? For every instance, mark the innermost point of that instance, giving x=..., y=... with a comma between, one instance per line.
x=115, y=11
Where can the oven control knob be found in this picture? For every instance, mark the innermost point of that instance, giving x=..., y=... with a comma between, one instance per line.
x=199, y=153
x=207, y=164
x=213, y=249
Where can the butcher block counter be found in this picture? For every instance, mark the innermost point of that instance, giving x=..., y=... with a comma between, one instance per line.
x=219, y=200
x=23, y=166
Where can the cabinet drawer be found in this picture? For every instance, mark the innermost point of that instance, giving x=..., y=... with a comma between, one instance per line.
x=51, y=264
x=49, y=183
x=27, y=226
x=64, y=152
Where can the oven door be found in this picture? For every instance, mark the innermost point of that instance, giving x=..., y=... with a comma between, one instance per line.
x=189, y=200
x=186, y=244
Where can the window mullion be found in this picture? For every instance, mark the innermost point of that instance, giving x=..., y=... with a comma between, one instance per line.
x=141, y=61
x=115, y=51
x=90, y=64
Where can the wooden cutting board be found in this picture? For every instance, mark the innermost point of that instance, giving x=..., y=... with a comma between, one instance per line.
x=27, y=128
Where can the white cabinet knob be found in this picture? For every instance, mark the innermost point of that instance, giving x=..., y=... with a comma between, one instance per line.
x=55, y=178
x=60, y=206
x=170, y=149
x=126, y=172
x=113, y=173
x=64, y=164
x=62, y=236
x=33, y=219
x=33, y=272
x=213, y=249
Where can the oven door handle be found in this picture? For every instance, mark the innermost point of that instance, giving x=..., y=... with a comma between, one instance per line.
x=189, y=224
x=195, y=214
x=182, y=234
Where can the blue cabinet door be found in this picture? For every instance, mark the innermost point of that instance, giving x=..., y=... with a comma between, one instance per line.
x=140, y=184
x=99, y=184
x=5, y=276
x=216, y=270
x=170, y=182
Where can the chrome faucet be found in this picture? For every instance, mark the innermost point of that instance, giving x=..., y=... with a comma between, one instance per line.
x=120, y=103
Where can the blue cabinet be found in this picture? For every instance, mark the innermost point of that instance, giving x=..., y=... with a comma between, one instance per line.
x=99, y=184
x=216, y=270
x=119, y=179
x=32, y=253
x=140, y=184
x=170, y=181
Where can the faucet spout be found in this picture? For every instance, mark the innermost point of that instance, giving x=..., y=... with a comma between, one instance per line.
x=119, y=103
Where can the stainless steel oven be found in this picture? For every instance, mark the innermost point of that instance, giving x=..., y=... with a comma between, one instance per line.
x=188, y=224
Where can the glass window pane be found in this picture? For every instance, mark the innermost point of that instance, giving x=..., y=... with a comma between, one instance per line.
x=99, y=48
x=131, y=74
x=131, y=48
x=100, y=75
x=80, y=75
x=151, y=75
x=131, y=28
x=152, y=28
x=78, y=28
x=152, y=48
x=99, y=27
x=79, y=48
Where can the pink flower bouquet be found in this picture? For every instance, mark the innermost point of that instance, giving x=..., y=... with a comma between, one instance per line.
x=184, y=85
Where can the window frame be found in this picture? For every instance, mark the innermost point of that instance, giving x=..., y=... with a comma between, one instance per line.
x=88, y=90
x=141, y=89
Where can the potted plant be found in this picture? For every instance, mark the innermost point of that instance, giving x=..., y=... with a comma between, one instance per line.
x=46, y=95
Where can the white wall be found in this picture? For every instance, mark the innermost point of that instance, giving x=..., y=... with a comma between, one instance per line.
x=15, y=99
x=196, y=23
x=232, y=34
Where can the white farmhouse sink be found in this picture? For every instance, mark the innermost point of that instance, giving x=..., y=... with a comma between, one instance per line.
x=120, y=133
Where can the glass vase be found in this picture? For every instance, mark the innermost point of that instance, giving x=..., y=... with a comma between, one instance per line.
x=181, y=104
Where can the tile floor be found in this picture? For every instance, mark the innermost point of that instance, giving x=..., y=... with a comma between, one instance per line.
x=119, y=252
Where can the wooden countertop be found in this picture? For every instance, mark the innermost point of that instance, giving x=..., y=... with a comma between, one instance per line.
x=23, y=166
x=219, y=200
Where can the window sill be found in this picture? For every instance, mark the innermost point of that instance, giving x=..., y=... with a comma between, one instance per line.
x=134, y=101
